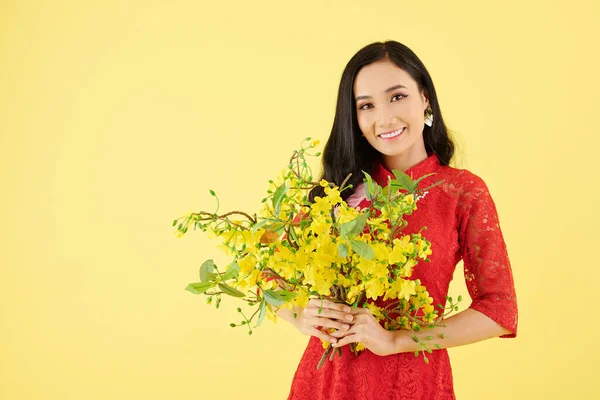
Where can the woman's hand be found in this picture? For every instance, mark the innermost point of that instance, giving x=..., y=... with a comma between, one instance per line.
x=333, y=315
x=367, y=330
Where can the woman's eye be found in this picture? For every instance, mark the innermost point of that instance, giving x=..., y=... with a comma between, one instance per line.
x=396, y=95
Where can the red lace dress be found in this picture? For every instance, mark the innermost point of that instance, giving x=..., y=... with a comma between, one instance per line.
x=462, y=223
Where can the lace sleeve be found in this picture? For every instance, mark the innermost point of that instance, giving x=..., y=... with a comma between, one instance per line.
x=488, y=273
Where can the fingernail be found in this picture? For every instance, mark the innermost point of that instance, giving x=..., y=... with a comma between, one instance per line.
x=349, y=317
x=334, y=340
x=346, y=327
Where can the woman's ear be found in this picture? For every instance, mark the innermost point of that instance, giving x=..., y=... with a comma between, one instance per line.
x=425, y=98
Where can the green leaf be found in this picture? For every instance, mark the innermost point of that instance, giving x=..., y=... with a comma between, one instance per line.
x=286, y=295
x=370, y=192
x=293, y=235
x=259, y=224
x=278, y=297
x=343, y=249
x=278, y=196
x=354, y=227
x=277, y=227
x=416, y=183
x=261, y=313
x=273, y=298
x=230, y=291
x=460, y=298
x=206, y=269
x=199, y=287
x=403, y=181
x=362, y=249
x=232, y=272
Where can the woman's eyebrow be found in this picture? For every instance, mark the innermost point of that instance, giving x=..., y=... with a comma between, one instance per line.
x=387, y=90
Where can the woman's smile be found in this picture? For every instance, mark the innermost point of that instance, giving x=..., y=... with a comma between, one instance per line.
x=392, y=135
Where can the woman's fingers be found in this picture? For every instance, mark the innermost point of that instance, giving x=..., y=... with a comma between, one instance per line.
x=342, y=332
x=322, y=335
x=353, y=338
x=318, y=303
x=328, y=323
x=330, y=310
x=335, y=315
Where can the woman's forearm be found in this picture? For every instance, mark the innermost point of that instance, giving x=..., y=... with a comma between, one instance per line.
x=288, y=314
x=465, y=327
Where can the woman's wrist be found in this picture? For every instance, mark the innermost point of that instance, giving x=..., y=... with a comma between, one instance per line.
x=288, y=314
x=400, y=341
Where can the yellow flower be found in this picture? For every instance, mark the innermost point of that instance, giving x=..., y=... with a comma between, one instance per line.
x=374, y=288
x=326, y=255
x=376, y=311
x=284, y=268
x=346, y=214
x=301, y=300
x=423, y=248
x=320, y=279
x=344, y=280
x=407, y=268
x=320, y=226
x=382, y=252
x=251, y=280
x=320, y=206
x=397, y=256
x=366, y=266
x=246, y=264
x=333, y=195
x=403, y=322
x=354, y=291
x=401, y=289
x=401, y=246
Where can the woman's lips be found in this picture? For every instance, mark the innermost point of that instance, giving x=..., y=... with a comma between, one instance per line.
x=392, y=135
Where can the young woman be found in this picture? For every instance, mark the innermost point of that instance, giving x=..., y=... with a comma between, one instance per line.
x=388, y=117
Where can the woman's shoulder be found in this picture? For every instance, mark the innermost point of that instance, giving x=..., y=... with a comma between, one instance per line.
x=458, y=181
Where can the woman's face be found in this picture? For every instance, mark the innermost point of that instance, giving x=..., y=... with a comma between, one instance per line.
x=383, y=106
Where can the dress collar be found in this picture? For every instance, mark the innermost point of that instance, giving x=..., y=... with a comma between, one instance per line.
x=426, y=166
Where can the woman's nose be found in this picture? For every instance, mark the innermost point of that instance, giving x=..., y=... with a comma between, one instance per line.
x=386, y=121
x=386, y=117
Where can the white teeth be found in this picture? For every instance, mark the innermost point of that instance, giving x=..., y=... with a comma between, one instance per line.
x=392, y=134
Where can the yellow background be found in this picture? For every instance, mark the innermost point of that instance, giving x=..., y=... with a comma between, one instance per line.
x=117, y=117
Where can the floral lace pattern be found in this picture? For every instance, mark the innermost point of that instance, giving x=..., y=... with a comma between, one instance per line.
x=462, y=223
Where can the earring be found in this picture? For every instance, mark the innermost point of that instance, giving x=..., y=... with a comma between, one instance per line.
x=429, y=116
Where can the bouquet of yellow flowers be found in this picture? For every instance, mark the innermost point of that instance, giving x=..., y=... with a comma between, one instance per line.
x=296, y=249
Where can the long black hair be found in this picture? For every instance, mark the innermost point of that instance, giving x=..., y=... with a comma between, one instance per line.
x=346, y=151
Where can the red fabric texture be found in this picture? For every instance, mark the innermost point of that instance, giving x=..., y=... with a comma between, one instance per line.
x=462, y=223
